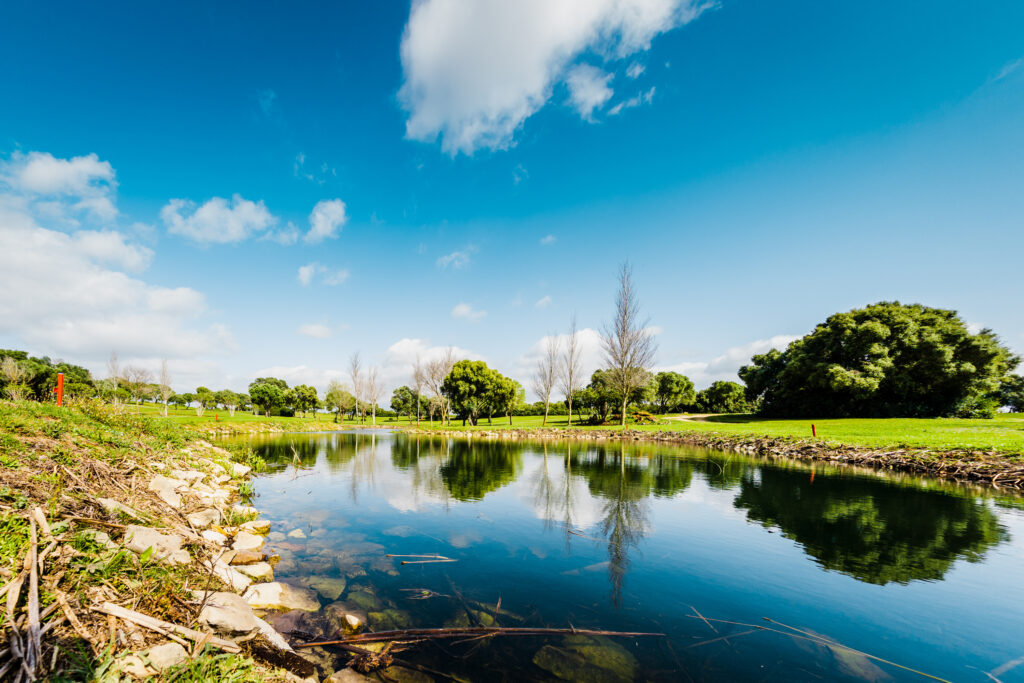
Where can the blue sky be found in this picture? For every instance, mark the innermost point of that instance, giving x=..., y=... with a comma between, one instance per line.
x=270, y=190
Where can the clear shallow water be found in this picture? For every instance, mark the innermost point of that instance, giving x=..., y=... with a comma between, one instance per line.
x=639, y=538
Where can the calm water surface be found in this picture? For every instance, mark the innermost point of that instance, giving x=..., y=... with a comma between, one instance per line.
x=643, y=538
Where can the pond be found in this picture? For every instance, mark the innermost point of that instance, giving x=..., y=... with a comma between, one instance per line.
x=752, y=569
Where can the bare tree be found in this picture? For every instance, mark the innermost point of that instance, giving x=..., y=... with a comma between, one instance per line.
x=546, y=373
x=165, y=385
x=419, y=377
x=355, y=374
x=138, y=380
x=15, y=373
x=114, y=376
x=569, y=369
x=628, y=345
x=374, y=391
x=436, y=372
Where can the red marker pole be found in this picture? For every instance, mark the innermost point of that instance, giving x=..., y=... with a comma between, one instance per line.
x=814, y=432
x=60, y=388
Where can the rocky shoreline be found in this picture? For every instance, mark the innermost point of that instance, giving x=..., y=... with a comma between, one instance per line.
x=986, y=468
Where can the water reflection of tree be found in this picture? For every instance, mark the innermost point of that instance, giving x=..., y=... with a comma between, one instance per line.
x=872, y=531
x=473, y=469
x=624, y=484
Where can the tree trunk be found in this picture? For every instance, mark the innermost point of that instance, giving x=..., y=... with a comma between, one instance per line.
x=570, y=409
x=545, y=422
x=373, y=415
x=510, y=419
x=625, y=402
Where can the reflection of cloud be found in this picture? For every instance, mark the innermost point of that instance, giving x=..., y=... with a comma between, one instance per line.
x=561, y=498
x=465, y=539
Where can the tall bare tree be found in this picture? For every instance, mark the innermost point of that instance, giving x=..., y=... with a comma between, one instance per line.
x=114, y=376
x=374, y=391
x=569, y=369
x=15, y=374
x=628, y=345
x=419, y=378
x=355, y=374
x=165, y=385
x=545, y=375
x=138, y=380
x=436, y=371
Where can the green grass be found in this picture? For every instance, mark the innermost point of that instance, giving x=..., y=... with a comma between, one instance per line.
x=1004, y=433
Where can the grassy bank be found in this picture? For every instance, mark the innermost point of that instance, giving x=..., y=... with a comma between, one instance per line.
x=1004, y=434
x=73, y=482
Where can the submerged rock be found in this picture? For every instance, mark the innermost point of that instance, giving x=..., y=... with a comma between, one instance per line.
x=347, y=676
x=585, y=659
x=275, y=536
x=345, y=618
x=389, y=620
x=402, y=675
x=364, y=599
x=277, y=595
x=328, y=587
x=296, y=533
x=260, y=527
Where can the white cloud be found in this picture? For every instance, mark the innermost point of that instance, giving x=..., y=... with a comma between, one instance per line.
x=645, y=97
x=588, y=89
x=218, y=221
x=62, y=188
x=974, y=328
x=457, y=259
x=286, y=237
x=110, y=247
x=326, y=220
x=327, y=276
x=303, y=374
x=1008, y=69
x=318, y=175
x=400, y=357
x=548, y=239
x=67, y=294
x=315, y=330
x=635, y=70
x=725, y=366
x=543, y=302
x=464, y=310
x=474, y=72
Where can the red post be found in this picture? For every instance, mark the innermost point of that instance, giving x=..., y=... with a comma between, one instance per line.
x=60, y=388
x=814, y=432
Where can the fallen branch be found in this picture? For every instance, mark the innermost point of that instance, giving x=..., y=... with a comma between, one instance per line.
x=436, y=633
x=164, y=627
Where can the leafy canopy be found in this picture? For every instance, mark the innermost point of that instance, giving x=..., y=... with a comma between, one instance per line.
x=885, y=360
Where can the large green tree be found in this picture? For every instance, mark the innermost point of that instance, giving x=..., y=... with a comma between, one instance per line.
x=1011, y=393
x=305, y=398
x=468, y=388
x=673, y=392
x=339, y=399
x=722, y=397
x=268, y=393
x=885, y=360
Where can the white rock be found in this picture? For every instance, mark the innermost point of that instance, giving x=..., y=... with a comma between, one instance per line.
x=257, y=526
x=261, y=571
x=167, y=489
x=275, y=536
x=227, y=613
x=272, y=635
x=245, y=509
x=246, y=541
x=204, y=518
x=240, y=470
x=166, y=547
x=296, y=533
x=277, y=595
x=188, y=475
x=167, y=655
x=214, y=536
x=231, y=576
x=221, y=478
